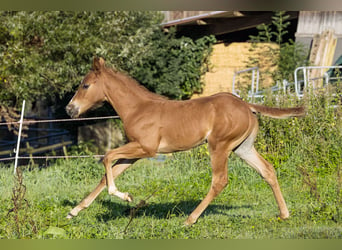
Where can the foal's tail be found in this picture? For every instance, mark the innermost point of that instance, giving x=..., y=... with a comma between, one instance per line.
x=277, y=112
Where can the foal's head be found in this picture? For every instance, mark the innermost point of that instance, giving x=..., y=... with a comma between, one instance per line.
x=90, y=93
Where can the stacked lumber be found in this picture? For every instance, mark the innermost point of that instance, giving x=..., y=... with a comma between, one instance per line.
x=322, y=52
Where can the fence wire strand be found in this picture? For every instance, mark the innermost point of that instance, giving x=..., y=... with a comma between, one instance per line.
x=30, y=122
x=61, y=120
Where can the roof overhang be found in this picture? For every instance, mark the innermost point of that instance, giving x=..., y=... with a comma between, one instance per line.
x=202, y=18
x=223, y=22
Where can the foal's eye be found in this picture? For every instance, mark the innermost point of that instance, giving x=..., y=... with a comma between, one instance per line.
x=85, y=86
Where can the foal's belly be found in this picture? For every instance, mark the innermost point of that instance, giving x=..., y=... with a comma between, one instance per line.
x=180, y=141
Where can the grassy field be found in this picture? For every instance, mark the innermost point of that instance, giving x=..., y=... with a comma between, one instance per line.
x=246, y=209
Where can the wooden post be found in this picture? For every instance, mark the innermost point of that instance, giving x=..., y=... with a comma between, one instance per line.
x=29, y=151
x=65, y=152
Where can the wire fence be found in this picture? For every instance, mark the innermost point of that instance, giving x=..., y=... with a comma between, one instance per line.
x=31, y=122
x=51, y=157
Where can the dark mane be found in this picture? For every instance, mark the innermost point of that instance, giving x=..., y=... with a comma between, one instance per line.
x=134, y=84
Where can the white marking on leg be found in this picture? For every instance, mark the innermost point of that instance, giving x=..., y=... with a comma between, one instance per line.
x=112, y=190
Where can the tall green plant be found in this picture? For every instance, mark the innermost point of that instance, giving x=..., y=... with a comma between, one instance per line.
x=281, y=23
x=287, y=56
x=309, y=147
x=274, y=31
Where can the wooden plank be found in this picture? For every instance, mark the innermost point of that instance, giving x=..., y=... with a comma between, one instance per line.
x=322, y=54
x=6, y=152
x=47, y=148
x=31, y=150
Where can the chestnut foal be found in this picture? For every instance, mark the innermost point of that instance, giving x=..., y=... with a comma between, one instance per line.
x=154, y=125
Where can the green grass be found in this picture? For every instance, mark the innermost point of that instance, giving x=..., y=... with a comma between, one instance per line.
x=246, y=209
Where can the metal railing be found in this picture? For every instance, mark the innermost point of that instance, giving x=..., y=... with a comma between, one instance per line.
x=254, y=85
x=299, y=86
x=302, y=85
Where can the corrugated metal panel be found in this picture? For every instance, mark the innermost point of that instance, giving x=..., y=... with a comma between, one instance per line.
x=316, y=22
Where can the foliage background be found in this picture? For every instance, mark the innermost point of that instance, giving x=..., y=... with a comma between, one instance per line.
x=46, y=54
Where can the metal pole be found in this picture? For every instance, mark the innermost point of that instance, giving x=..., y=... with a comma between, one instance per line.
x=257, y=81
x=19, y=136
x=233, y=86
x=253, y=80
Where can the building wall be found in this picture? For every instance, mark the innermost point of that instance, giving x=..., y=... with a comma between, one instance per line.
x=314, y=23
x=226, y=59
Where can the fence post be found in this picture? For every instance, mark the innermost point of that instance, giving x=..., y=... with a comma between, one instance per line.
x=19, y=136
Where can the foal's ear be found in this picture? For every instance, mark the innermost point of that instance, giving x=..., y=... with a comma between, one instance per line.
x=98, y=63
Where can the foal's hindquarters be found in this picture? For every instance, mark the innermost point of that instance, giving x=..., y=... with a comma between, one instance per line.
x=239, y=139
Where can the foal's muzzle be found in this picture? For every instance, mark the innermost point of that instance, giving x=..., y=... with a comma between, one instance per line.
x=72, y=110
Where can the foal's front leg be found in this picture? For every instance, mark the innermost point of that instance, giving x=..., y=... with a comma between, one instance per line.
x=131, y=150
x=119, y=167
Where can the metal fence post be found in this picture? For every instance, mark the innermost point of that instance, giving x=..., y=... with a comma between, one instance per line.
x=19, y=136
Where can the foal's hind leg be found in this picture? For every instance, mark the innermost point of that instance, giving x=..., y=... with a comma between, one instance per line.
x=119, y=167
x=247, y=152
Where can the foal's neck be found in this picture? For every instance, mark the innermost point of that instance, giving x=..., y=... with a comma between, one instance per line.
x=125, y=94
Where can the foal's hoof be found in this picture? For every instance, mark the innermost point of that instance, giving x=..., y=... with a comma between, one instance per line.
x=284, y=216
x=69, y=216
x=128, y=197
x=189, y=222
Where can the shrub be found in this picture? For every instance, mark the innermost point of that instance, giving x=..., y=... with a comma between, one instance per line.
x=46, y=54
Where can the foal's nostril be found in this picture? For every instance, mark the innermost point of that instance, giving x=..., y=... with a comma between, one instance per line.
x=71, y=110
x=68, y=109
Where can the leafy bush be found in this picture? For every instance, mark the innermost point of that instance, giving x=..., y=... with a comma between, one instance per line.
x=179, y=63
x=309, y=147
x=316, y=134
x=46, y=54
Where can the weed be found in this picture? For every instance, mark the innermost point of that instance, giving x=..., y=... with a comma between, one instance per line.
x=19, y=215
